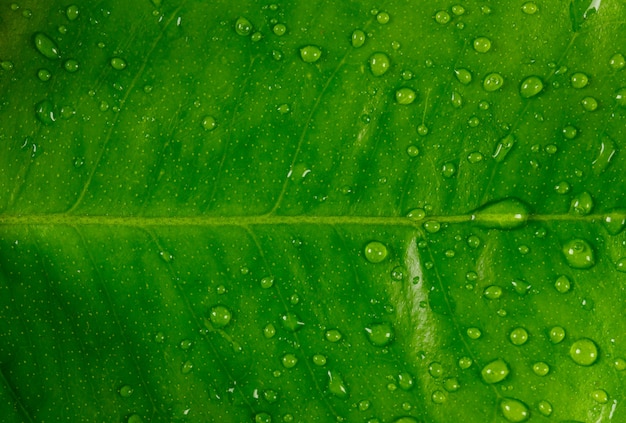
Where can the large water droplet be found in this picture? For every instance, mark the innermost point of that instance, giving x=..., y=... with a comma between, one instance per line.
x=615, y=222
x=582, y=204
x=492, y=292
x=336, y=385
x=541, y=369
x=544, y=407
x=243, y=26
x=46, y=46
x=375, y=252
x=508, y=213
x=262, y=418
x=380, y=335
x=406, y=381
x=310, y=54
x=531, y=86
x=118, y=63
x=358, y=38
x=590, y=104
x=600, y=396
x=530, y=8
x=379, y=64
x=514, y=410
x=126, y=391
x=495, y=372
x=584, y=352
x=579, y=254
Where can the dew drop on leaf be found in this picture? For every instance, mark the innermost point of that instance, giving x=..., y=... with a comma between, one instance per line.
x=456, y=99
x=590, y=104
x=46, y=46
x=442, y=17
x=544, y=407
x=186, y=367
x=375, y=252
x=541, y=369
x=615, y=222
x=557, y=334
x=333, y=335
x=243, y=26
x=482, y=44
x=262, y=418
x=508, y=213
x=380, y=335
x=358, y=38
x=279, y=29
x=336, y=385
x=579, y=80
x=584, y=352
x=451, y=384
x=118, y=63
x=435, y=369
x=135, y=418
x=492, y=292
x=383, y=18
x=563, y=284
x=310, y=54
x=465, y=363
x=44, y=75
x=531, y=86
x=405, y=96
x=220, y=316
x=579, y=254
x=620, y=97
x=44, y=111
x=405, y=381
x=464, y=76
x=493, y=82
x=291, y=322
x=416, y=214
x=518, y=336
x=406, y=419
x=72, y=12
x=289, y=361
x=619, y=364
x=71, y=65
x=267, y=282
x=514, y=410
x=617, y=62
x=600, y=396
x=582, y=204
x=319, y=360
x=496, y=371
x=432, y=226
x=379, y=64
x=126, y=391
x=438, y=397
x=530, y=8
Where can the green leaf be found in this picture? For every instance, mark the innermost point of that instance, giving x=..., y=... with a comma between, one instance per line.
x=312, y=211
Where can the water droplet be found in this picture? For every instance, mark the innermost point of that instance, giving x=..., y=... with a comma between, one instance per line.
x=473, y=241
x=619, y=364
x=465, y=363
x=495, y=372
x=432, y=226
x=617, y=62
x=319, y=360
x=412, y=151
x=448, y=169
x=529, y=8
x=336, y=385
x=209, y=123
x=493, y=82
x=333, y=335
x=615, y=222
x=579, y=254
x=126, y=391
x=134, y=418
x=379, y=64
x=600, y=396
x=405, y=96
x=269, y=331
x=6, y=65
x=544, y=408
x=71, y=65
x=509, y=213
x=291, y=322
x=310, y=54
x=482, y=44
x=382, y=18
x=405, y=420
x=46, y=46
x=464, y=76
x=475, y=157
x=514, y=410
x=435, y=369
x=531, y=86
x=442, y=17
x=267, y=282
x=582, y=204
x=562, y=187
x=541, y=369
x=364, y=405
x=518, y=336
x=590, y=104
x=406, y=381
x=438, y=397
x=474, y=333
x=584, y=352
x=72, y=12
x=620, y=265
x=557, y=334
x=243, y=26
x=270, y=396
x=44, y=75
x=620, y=97
x=579, y=80
x=503, y=147
x=416, y=214
x=279, y=29
x=492, y=292
x=422, y=130
x=159, y=337
x=519, y=285
x=186, y=367
x=380, y=335
x=289, y=361
x=262, y=418
x=375, y=252
x=451, y=384
x=44, y=111
x=358, y=38
x=563, y=284
x=220, y=316
x=118, y=63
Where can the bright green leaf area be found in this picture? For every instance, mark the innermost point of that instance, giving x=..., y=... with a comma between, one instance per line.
x=313, y=211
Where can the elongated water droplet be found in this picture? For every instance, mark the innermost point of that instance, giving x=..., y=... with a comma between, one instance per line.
x=405, y=96
x=333, y=335
x=514, y=410
x=463, y=75
x=582, y=204
x=379, y=64
x=503, y=147
x=579, y=254
x=46, y=46
x=358, y=38
x=336, y=385
x=584, y=352
x=72, y=12
x=509, y=213
x=531, y=86
x=495, y=372
x=118, y=63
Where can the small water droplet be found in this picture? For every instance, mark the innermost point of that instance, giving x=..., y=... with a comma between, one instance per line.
x=383, y=18
x=209, y=123
x=333, y=335
x=310, y=54
x=579, y=80
x=563, y=284
x=529, y=8
x=531, y=86
x=412, y=151
x=474, y=333
x=544, y=408
x=518, y=336
x=220, y=316
x=584, y=352
x=620, y=97
x=435, y=369
x=473, y=241
x=482, y=44
x=72, y=12
x=364, y=405
x=579, y=254
x=475, y=157
x=70, y=65
x=514, y=410
x=291, y=322
x=118, y=63
x=358, y=38
x=380, y=335
x=493, y=82
x=495, y=372
x=619, y=364
x=438, y=397
x=590, y=104
x=279, y=29
x=406, y=381
x=336, y=385
x=508, y=213
x=442, y=17
x=416, y=214
x=492, y=292
x=432, y=226
x=464, y=76
x=406, y=419
x=243, y=26
x=289, y=361
x=159, y=337
x=541, y=369
x=600, y=396
x=375, y=252
x=615, y=222
x=186, y=367
x=465, y=363
x=44, y=75
x=448, y=169
x=126, y=391
x=379, y=64
x=46, y=46
x=319, y=360
x=451, y=384
x=405, y=96
x=262, y=418
x=135, y=418
x=44, y=111
x=617, y=62
x=269, y=331
x=557, y=334
x=582, y=204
